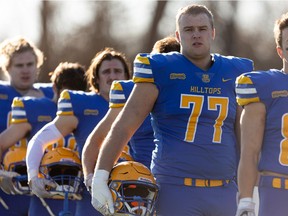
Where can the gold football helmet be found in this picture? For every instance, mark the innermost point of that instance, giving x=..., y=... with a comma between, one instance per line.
x=15, y=160
x=63, y=166
x=133, y=189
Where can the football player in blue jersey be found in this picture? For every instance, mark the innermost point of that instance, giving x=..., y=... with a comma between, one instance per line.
x=20, y=60
x=192, y=100
x=142, y=141
x=30, y=114
x=264, y=137
x=79, y=112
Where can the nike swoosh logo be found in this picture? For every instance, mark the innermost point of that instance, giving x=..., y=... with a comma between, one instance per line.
x=225, y=80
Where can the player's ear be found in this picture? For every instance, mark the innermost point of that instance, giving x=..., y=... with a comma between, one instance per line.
x=177, y=35
x=213, y=33
x=279, y=51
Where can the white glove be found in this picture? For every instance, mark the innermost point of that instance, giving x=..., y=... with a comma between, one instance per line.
x=102, y=199
x=6, y=182
x=39, y=186
x=246, y=207
x=88, y=181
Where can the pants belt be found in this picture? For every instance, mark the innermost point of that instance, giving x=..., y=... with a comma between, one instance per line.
x=204, y=182
x=275, y=182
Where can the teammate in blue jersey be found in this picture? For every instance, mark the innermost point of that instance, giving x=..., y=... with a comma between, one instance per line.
x=263, y=94
x=142, y=141
x=192, y=100
x=30, y=114
x=20, y=61
x=79, y=112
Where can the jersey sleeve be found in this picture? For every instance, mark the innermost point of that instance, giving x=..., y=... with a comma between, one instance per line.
x=243, y=65
x=64, y=107
x=18, y=111
x=117, y=97
x=142, y=69
x=246, y=91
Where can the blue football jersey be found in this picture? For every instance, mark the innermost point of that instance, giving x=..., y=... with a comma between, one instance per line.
x=270, y=88
x=88, y=108
x=46, y=88
x=7, y=94
x=38, y=112
x=194, y=115
x=141, y=142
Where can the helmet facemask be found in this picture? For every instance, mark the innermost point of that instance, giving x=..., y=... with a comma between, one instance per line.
x=65, y=172
x=138, y=194
x=134, y=197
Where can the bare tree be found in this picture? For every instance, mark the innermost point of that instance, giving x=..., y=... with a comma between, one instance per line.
x=46, y=39
x=153, y=33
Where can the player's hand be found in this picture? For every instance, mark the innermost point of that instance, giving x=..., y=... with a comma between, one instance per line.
x=6, y=182
x=88, y=181
x=246, y=207
x=39, y=186
x=102, y=199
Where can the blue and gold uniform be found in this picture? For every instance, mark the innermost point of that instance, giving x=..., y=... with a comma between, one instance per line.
x=193, y=120
x=46, y=88
x=270, y=88
x=89, y=109
x=141, y=142
x=38, y=112
x=7, y=94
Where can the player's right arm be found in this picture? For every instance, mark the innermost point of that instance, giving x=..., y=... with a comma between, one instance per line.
x=252, y=131
x=252, y=126
x=139, y=105
x=61, y=126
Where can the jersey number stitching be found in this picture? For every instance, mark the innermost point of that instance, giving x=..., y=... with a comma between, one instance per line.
x=196, y=103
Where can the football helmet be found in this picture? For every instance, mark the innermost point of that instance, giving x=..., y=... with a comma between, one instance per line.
x=124, y=157
x=63, y=166
x=133, y=189
x=15, y=160
x=126, y=149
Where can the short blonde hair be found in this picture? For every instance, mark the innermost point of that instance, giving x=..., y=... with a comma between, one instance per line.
x=12, y=46
x=194, y=9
